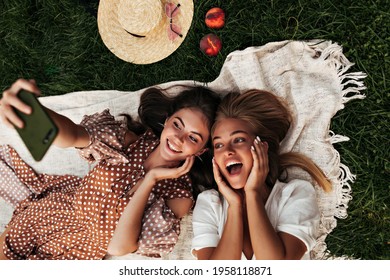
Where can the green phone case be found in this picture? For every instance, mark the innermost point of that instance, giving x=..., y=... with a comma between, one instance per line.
x=39, y=130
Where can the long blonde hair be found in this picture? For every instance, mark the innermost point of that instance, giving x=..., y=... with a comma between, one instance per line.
x=270, y=120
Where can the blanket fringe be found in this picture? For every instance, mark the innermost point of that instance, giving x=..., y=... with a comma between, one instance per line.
x=346, y=178
x=351, y=83
x=343, y=178
x=335, y=138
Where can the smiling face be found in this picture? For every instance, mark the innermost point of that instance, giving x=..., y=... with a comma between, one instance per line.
x=185, y=133
x=232, y=140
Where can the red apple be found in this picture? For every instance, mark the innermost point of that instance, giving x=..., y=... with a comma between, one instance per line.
x=215, y=18
x=210, y=44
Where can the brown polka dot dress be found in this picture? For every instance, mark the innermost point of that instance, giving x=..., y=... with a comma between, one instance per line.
x=67, y=217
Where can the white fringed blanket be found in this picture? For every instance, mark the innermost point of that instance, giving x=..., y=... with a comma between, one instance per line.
x=313, y=78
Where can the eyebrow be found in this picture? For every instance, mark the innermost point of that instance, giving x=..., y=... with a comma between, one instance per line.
x=231, y=134
x=182, y=123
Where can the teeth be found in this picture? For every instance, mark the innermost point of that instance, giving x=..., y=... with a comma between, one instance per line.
x=229, y=166
x=173, y=148
x=232, y=163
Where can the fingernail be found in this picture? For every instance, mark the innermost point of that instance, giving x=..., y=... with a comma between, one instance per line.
x=253, y=148
x=20, y=125
x=258, y=139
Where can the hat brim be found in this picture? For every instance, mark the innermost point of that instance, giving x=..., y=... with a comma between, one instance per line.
x=155, y=46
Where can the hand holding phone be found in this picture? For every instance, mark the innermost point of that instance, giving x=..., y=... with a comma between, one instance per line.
x=39, y=130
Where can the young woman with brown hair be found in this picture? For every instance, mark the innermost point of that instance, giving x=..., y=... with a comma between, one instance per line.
x=133, y=198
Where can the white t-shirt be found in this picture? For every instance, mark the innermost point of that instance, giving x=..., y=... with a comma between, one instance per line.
x=291, y=207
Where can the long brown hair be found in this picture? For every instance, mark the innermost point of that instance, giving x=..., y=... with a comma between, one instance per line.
x=270, y=120
x=156, y=105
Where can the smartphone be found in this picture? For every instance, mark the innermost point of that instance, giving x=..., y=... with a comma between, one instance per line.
x=39, y=130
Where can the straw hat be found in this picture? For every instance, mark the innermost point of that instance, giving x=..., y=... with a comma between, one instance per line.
x=141, y=31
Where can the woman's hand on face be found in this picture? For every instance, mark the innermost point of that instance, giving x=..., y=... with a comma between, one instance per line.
x=231, y=195
x=161, y=173
x=10, y=100
x=260, y=168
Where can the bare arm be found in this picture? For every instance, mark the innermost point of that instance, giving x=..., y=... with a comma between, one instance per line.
x=180, y=206
x=266, y=242
x=231, y=244
x=128, y=229
x=70, y=134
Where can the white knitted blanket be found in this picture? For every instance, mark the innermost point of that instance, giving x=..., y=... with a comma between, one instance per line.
x=313, y=78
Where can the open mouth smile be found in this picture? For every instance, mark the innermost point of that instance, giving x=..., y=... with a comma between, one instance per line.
x=234, y=168
x=172, y=147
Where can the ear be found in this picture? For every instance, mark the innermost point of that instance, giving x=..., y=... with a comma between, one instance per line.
x=201, y=151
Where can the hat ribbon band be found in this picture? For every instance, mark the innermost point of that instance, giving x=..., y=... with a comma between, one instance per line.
x=135, y=35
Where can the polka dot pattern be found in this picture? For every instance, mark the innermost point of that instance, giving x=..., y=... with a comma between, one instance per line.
x=67, y=217
x=12, y=189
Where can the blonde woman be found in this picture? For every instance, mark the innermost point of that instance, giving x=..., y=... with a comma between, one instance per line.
x=257, y=212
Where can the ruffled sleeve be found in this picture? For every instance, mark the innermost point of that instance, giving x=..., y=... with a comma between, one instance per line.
x=160, y=226
x=176, y=188
x=106, y=138
x=160, y=230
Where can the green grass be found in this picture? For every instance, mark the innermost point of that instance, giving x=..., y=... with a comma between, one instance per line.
x=58, y=44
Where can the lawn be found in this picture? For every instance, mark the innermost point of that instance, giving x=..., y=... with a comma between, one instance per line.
x=58, y=44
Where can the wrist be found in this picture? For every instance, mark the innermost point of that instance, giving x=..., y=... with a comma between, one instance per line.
x=257, y=194
x=150, y=178
x=252, y=193
x=236, y=208
x=236, y=204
